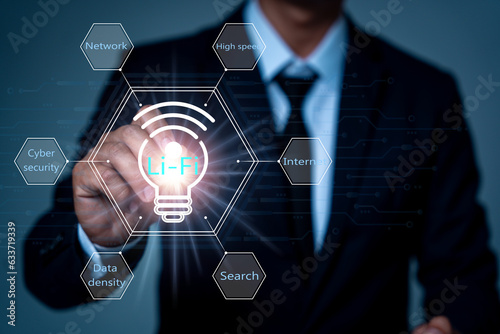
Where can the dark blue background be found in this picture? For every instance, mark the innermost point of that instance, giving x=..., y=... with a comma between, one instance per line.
x=48, y=89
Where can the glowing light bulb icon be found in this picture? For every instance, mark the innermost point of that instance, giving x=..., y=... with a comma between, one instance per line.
x=183, y=165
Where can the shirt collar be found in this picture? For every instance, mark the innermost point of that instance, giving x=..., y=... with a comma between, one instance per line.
x=325, y=60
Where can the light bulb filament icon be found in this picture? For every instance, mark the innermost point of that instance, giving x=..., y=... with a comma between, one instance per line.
x=176, y=173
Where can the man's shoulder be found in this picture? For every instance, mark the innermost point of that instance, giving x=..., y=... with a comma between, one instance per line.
x=409, y=69
x=412, y=84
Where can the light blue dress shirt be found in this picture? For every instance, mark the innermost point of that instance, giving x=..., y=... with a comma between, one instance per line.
x=321, y=105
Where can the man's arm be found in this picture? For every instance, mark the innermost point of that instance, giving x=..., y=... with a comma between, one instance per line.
x=457, y=269
x=54, y=256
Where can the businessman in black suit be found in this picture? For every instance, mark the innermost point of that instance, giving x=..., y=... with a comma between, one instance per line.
x=404, y=184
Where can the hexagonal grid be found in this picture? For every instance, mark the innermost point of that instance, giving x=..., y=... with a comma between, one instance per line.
x=222, y=219
x=126, y=264
x=62, y=167
x=257, y=58
x=124, y=59
x=304, y=184
x=256, y=289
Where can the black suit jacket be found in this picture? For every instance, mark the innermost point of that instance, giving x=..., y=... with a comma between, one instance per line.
x=405, y=185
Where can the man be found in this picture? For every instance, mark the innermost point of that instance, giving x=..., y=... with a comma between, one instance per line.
x=403, y=184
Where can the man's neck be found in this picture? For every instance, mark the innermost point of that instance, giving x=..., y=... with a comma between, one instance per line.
x=302, y=24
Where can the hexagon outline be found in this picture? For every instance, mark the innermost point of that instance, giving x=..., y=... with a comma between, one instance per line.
x=284, y=170
x=62, y=168
x=124, y=59
x=213, y=231
x=258, y=287
x=107, y=298
x=239, y=69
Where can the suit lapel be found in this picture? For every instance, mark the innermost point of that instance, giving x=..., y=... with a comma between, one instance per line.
x=362, y=93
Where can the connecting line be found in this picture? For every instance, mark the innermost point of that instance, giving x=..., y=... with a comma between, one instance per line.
x=220, y=243
x=215, y=234
x=125, y=244
x=238, y=161
x=206, y=103
x=140, y=104
x=107, y=161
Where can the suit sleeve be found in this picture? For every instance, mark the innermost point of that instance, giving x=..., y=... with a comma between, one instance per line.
x=456, y=267
x=53, y=256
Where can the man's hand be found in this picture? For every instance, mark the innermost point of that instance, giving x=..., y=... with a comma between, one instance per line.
x=122, y=178
x=437, y=325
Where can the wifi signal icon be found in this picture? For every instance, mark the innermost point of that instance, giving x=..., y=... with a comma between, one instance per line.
x=173, y=189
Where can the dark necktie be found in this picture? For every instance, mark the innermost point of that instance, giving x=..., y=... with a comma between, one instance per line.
x=299, y=196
